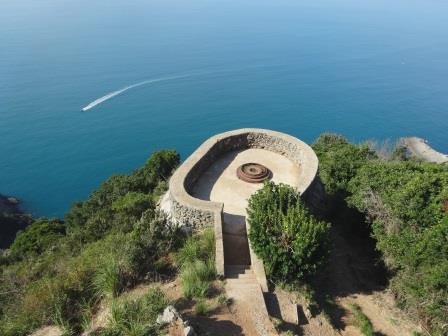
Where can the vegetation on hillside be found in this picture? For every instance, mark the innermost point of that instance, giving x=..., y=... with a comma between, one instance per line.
x=404, y=203
x=291, y=242
x=57, y=270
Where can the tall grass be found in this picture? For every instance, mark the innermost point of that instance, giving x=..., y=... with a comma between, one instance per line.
x=108, y=280
x=201, y=246
x=137, y=317
x=362, y=321
x=61, y=321
x=86, y=314
x=195, y=278
x=197, y=261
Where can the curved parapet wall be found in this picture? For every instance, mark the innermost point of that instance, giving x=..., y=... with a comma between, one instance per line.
x=196, y=213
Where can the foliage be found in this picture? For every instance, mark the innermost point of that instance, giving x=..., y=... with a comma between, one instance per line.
x=223, y=300
x=201, y=307
x=10, y=224
x=108, y=280
x=362, y=321
x=105, y=244
x=117, y=204
x=137, y=317
x=197, y=262
x=133, y=203
x=339, y=161
x=403, y=201
x=37, y=237
x=197, y=247
x=289, y=240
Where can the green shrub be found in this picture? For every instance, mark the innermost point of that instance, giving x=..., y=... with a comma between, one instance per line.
x=339, y=161
x=133, y=203
x=362, y=321
x=36, y=238
x=121, y=199
x=201, y=307
x=289, y=240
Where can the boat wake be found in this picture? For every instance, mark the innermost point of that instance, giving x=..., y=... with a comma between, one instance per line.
x=119, y=92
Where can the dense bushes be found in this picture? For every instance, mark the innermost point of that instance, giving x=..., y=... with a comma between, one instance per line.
x=117, y=204
x=289, y=240
x=57, y=270
x=38, y=237
x=339, y=161
x=403, y=200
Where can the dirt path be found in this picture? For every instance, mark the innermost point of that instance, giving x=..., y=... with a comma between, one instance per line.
x=352, y=278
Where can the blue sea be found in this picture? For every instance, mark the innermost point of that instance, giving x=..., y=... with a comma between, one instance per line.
x=369, y=69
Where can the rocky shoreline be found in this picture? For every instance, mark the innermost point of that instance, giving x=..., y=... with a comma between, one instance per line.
x=9, y=205
x=12, y=219
x=419, y=147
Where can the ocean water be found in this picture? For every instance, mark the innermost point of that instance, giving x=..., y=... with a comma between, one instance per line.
x=367, y=69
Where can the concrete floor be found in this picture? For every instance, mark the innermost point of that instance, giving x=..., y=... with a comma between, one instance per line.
x=220, y=184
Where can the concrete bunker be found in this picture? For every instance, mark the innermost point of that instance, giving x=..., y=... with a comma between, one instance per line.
x=207, y=191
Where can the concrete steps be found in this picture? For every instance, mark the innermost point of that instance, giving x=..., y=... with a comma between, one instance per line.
x=242, y=286
x=238, y=272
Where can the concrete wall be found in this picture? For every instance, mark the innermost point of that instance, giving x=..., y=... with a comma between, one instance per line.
x=196, y=214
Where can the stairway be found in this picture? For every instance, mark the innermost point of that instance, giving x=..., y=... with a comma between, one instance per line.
x=242, y=287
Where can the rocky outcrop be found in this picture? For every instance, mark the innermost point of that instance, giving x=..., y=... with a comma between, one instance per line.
x=170, y=316
x=12, y=219
x=420, y=148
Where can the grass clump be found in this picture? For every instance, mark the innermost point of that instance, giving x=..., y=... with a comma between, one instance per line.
x=197, y=247
x=196, y=260
x=196, y=278
x=201, y=307
x=223, y=300
x=108, y=280
x=137, y=317
x=362, y=321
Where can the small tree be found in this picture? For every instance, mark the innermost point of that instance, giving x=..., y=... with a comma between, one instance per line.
x=290, y=241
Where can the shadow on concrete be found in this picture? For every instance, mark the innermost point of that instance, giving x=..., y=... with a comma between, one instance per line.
x=203, y=187
x=236, y=244
x=274, y=310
